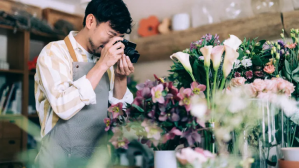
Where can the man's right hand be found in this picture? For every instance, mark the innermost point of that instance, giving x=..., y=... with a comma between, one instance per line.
x=110, y=54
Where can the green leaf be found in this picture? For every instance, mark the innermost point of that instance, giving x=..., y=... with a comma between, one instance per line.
x=296, y=70
x=138, y=108
x=295, y=118
x=287, y=67
x=164, y=93
x=297, y=139
x=288, y=76
x=167, y=124
x=176, y=124
x=296, y=78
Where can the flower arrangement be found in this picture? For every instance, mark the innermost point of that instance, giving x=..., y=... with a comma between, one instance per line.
x=165, y=115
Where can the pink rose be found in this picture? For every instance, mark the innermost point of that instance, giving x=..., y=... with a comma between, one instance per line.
x=269, y=69
x=251, y=91
x=271, y=86
x=289, y=89
x=258, y=85
x=239, y=81
x=291, y=46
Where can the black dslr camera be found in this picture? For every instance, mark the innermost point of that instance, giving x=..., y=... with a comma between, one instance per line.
x=130, y=50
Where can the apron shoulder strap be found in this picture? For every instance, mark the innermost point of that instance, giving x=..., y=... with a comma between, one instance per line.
x=70, y=48
x=74, y=57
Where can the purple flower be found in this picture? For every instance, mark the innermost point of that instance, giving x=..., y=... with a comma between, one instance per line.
x=194, y=44
x=185, y=96
x=192, y=136
x=249, y=74
x=237, y=74
x=157, y=94
x=107, y=121
x=198, y=89
x=116, y=110
x=171, y=135
x=120, y=143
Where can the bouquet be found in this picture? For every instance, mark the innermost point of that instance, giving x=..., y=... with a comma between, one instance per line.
x=160, y=116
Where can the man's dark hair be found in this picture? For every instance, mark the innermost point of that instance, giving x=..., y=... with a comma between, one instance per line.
x=114, y=11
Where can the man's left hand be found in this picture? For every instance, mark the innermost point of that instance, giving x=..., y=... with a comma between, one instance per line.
x=124, y=68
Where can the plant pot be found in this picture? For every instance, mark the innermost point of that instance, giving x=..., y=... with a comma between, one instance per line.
x=291, y=154
x=165, y=159
x=287, y=164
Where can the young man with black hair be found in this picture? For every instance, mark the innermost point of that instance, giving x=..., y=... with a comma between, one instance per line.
x=75, y=80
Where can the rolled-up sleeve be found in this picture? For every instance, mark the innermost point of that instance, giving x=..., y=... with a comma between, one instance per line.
x=128, y=98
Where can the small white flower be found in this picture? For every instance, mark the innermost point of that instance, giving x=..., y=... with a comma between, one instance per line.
x=237, y=64
x=246, y=63
x=201, y=58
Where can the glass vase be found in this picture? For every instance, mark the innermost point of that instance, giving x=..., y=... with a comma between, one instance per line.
x=265, y=6
x=209, y=137
x=269, y=147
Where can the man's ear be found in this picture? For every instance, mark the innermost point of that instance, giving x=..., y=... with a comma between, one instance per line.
x=91, y=21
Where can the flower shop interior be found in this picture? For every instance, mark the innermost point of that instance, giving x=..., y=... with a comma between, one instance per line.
x=211, y=83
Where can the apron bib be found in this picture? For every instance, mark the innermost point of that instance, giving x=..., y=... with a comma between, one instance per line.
x=72, y=142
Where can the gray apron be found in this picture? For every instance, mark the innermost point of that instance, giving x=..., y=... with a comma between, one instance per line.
x=72, y=142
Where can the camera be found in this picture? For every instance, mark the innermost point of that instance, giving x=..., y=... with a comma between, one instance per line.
x=130, y=50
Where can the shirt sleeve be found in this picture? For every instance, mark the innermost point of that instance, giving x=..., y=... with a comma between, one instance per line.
x=66, y=97
x=128, y=97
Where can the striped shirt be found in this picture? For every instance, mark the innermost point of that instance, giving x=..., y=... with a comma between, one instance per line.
x=56, y=94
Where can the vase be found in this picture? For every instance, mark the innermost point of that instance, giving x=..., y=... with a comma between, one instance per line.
x=269, y=147
x=181, y=22
x=165, y=159
x=296, y=4
x=203, y=13
x=265, y=6
x=209, y=137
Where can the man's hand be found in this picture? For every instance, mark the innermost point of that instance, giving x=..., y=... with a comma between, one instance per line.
x=111, y=53
x=124, y=67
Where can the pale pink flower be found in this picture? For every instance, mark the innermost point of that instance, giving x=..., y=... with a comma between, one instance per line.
x=153, y=131
x=206, y=52
x=206, y=153
x=119, y=142
x=230, y=57
x=171, y=135
x=271, y=86
x=198, y=89
x=188, y=155
x=238, y=81
x=116, y=110
x=233, y=42
x=250, y=90
x=157, y=94
x=216, y=56
x=185, y=98
x=290, y=88
x=269, y=69
x=259, y=85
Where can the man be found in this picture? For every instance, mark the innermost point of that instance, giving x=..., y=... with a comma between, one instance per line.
x=74, y=81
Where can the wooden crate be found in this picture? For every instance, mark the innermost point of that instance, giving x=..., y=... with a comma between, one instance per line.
x=52, y=16
x=10, y=6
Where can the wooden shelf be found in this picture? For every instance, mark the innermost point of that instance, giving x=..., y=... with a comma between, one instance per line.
x=35, y=35
x=160, y=47
x=11, y=71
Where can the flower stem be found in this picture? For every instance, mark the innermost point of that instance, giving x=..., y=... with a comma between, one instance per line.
x=222, y=83
x=293, y=136
x=288, y=133
x=214, y=83
x=208, y=85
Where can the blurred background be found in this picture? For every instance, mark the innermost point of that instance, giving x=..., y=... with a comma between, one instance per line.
x=161, y=27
